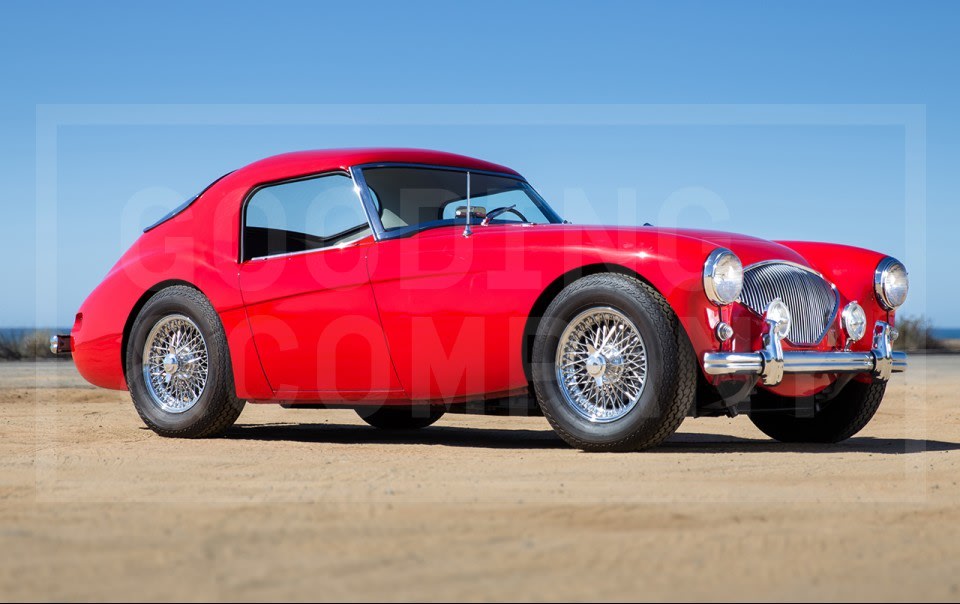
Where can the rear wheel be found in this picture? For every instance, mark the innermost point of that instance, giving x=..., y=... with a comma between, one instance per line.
x=400, y=417
x=611, y=366
x=178, y=366
x=840, y=419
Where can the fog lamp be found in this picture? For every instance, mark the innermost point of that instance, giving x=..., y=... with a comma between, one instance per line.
x=778, y=315
x=854, y=321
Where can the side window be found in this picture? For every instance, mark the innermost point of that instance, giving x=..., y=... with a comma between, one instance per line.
x=302, y=215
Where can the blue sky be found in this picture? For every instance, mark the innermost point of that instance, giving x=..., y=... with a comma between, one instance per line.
x=840, y=178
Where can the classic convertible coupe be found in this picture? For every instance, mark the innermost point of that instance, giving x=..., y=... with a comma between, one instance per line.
x=406, y=283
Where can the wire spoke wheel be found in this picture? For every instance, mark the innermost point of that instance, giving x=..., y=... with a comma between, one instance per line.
x=175, y=363
x=601, y=364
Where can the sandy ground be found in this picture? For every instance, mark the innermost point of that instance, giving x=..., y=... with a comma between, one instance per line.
x=308, y=505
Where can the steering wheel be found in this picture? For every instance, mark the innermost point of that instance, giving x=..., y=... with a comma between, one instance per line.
x=502, y=210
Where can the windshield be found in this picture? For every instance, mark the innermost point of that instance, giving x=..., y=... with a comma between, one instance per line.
x=416, y=198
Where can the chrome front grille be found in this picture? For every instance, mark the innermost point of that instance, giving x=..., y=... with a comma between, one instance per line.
x=811, y=299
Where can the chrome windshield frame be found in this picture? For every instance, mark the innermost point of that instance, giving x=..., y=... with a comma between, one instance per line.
x=373, y=214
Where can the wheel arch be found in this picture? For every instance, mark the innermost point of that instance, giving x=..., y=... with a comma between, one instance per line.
x=138, y=306
x=556, y=286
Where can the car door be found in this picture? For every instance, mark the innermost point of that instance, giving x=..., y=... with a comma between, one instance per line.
x=453, y=307
x=307, y=294
x=450, y=335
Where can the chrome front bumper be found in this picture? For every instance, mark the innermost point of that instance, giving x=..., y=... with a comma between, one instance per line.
x=772, y=362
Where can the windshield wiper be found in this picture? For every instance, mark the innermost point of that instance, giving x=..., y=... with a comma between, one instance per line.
x=501, y=210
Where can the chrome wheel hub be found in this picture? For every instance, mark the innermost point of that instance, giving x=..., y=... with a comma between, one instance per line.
x=175, y=363
x=596, y=365
x=601, y=364
x=170, y=364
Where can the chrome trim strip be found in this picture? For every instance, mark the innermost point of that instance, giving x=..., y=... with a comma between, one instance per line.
x=369, y=207
x=329, y=248
x=787, y=262
x=770, y=364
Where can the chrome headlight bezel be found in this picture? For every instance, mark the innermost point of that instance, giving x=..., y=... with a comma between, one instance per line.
x=723, y=288
x=886, y=269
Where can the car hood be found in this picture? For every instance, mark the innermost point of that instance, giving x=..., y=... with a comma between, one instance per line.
x=749, y=249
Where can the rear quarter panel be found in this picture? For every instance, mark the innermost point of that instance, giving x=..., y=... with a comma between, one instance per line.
x=196, y=248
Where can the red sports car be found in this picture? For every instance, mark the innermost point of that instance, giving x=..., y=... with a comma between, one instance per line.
x=407, y=283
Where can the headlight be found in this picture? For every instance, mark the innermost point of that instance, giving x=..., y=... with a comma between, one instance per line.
x=891, y=283
x=854, y=321
x=722, y=276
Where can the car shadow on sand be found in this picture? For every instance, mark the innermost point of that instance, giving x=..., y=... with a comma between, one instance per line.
x=450, y=436
x=495, y=438
x=696, y=442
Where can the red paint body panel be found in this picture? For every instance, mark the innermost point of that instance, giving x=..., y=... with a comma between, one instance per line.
x=316, y=326
x=454, y=309
x=432, y=316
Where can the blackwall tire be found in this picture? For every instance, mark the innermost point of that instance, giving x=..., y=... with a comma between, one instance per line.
x=841, y=418
x=178, y=366
x=583, y=409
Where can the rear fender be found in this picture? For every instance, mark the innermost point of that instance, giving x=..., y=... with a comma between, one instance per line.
x=110, y=310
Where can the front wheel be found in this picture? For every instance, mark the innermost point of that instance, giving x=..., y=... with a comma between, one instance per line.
x=840, y=419
x=611, y=366
x=178, y=366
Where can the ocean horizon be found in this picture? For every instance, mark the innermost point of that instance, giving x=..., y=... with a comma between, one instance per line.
x=947, y=333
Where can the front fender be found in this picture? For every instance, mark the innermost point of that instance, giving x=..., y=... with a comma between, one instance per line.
x=672, y=263
x=851, y=269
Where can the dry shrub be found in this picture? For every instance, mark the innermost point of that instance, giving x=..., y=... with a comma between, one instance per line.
x=916, y=333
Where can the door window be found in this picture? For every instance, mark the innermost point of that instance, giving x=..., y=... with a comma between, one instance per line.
x=300, y=215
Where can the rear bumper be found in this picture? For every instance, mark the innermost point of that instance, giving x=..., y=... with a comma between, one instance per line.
x=771, y=363
x=61, y=344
